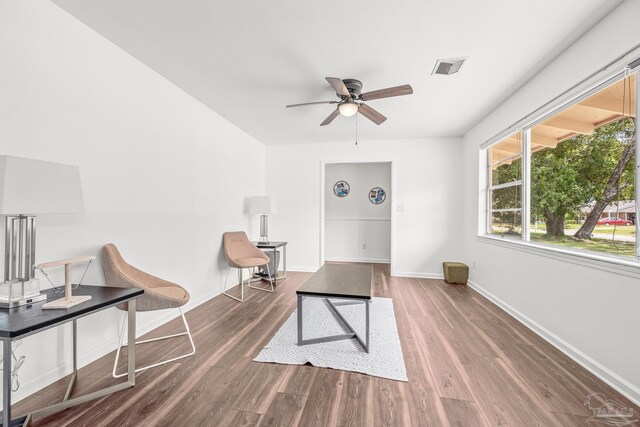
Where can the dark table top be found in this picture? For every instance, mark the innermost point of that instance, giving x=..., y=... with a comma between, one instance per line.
x=27, y=319
x=269, y=245
x=339, y=280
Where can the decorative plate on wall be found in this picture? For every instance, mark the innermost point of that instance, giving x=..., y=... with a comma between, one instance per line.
x=341, y=188
x=377, y=195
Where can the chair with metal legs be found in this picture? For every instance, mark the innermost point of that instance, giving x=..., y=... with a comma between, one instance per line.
x=159, y=294
x=240, y=253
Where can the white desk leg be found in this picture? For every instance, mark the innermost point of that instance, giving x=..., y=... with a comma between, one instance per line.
x=131, y=357
x=75, y=345
x=6, y=382
x=74, y=374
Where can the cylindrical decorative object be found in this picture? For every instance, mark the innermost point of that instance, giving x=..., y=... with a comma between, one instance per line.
x=264, y=229
x=67, y=282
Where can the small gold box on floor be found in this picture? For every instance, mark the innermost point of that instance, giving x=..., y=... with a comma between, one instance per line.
x=455, y=272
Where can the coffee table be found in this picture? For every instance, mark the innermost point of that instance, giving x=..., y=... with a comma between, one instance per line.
x=348, y=283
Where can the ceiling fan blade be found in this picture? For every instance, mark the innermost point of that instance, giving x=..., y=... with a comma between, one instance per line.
x=312, y=103
x=371, y=114
x=330, y=118
x=387, y=93
x=338, y=85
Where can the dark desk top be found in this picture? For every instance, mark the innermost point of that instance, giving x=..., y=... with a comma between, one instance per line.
x=269, y=245
x=339, y=280
x=27, y=319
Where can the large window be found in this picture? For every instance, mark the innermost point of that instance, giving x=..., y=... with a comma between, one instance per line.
x=569, y=179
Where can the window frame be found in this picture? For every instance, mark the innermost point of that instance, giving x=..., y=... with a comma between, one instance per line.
x=524, y=131
x=490, y=188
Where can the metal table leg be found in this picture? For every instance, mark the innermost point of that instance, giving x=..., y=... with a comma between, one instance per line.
x=275, y=266
x=284, y=261
x=131, y=356
x=6, y=382
x=333, y=308
x=367, y=304
x=300, y=319
x=74, y=374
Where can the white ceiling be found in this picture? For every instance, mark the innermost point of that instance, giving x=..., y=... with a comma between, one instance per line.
x=247, y=59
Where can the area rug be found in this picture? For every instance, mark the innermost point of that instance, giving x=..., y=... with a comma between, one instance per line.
x=384, y=360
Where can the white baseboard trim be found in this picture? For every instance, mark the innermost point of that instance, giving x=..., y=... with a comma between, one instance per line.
x=49, y=377
x=370, y=260
x=303, y=269
x=605, y=374
x=418, y=275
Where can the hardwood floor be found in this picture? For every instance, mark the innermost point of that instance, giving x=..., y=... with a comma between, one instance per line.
x=469, y=364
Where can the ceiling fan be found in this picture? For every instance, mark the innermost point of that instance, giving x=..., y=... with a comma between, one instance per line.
x=350, y=93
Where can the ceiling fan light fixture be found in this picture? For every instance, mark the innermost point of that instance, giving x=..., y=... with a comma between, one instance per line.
x=348, y=108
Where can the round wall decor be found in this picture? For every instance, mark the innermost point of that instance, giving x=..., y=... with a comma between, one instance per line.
x=377, y=195
x=341, y=188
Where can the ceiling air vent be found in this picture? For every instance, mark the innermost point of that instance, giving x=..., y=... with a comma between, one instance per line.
x=449, y=66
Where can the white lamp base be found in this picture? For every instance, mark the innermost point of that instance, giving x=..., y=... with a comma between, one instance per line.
x=64, y=303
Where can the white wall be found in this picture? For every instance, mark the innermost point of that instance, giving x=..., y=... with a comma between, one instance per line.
x=356, y=229
x=426, y=183
x=591, y=314
x=162, y=174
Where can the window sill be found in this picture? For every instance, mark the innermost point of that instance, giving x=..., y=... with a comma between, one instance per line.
x=627, y=267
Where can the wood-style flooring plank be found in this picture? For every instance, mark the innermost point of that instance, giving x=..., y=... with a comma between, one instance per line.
x=284, y=410
x=241, y=419
x=390, y=405
x=322, y=404
x=445, y=374
x=298, y=380
x=570, y=420
x=356, y=390
x=461, y=413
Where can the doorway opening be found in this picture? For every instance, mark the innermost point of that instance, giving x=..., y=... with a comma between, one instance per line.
x=356, y=212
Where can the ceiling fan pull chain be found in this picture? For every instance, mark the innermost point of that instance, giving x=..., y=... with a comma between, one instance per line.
x=356, y=129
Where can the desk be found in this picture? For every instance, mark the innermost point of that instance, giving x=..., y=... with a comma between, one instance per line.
x=348, y=282
x=26, y=320
x=273, y=246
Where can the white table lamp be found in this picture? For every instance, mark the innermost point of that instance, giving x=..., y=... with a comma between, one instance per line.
x=29, y=187
x=263, y=206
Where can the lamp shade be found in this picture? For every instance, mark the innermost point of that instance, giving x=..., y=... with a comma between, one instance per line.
x=262, y=205
x=31, y=187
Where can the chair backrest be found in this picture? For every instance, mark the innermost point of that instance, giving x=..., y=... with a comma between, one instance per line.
x=158, y=293
x=114, y=265
x=121, y=274
x=237, y=245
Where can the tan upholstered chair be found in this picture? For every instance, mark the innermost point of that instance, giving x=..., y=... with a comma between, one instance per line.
x=159, y=294
x=241, y=253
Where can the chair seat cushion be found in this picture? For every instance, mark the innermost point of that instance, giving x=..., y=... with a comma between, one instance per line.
x=251, y=262
x=160, y=297
x=174, y=292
